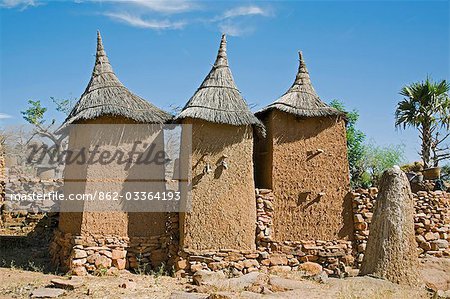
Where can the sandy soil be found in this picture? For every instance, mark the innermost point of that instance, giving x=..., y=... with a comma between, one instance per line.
x=18, y=283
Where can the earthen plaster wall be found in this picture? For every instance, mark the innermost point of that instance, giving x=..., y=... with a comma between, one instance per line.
x=223, y=210
x=309, y=178
x=113, y=177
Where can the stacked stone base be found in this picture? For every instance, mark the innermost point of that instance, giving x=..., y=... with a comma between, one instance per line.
x=108, y=254
x=333, y=256
x=91, y=254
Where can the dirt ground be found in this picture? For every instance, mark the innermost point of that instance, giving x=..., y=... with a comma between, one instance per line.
x=18, y=283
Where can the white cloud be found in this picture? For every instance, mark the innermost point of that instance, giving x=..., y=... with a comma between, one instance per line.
x=228, y=22
x=4, y=115
x=23, y=4
x=235, y=29
x=159, y=6
x=245, y=11
x=138, y=21
x=165, y=6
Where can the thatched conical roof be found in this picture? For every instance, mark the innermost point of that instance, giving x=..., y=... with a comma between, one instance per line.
x=105, y=95
x=218, y=100
x=301, y=99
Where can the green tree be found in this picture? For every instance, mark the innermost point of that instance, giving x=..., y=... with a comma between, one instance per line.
x=355, y=143
x=426, y=106
x=35, y=113
x=379, y=158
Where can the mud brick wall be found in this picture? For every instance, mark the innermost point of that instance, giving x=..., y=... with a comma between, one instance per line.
x=431, y=221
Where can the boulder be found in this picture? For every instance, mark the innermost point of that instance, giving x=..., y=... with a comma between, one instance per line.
x=47, y=293
x=204, y=277
x=310, y=268
x=79, y=271
x=391, y=251
x=69, y=284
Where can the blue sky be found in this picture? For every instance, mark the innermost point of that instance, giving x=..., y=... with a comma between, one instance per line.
x=361, y=53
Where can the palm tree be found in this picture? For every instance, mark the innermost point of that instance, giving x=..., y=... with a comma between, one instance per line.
x=426, y=106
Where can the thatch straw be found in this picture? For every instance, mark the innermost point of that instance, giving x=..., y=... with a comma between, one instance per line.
x=301, y=99
x=218, y=100
x=105, y=95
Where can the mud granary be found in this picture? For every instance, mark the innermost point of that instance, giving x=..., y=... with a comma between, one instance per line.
x=303, y=159
x=295, y=146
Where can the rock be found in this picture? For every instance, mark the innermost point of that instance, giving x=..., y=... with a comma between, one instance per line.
x=278, y=260
x=204, y=277
x=358, y=218
x=373, y=191
x=222, y=295
x=91, y=259
x=293, y=262
x=440, y=244
x=391, y=251
x=348, y=260
x=196, y=267
x=119, y=264
x=420, y=239
x=264, y=255
x=118, y=254
x=322, y=277
x=280, y=269
x=79, y=262
x=285, y=284
x=425, y=246
x=79, y=271
x=113, y=271
x=181, y=264
x=265, y=262
x=245, y=281
x=106, y=253
x=233, y=257
x=429, y=236
x=47, y=293
x=362, y=247
x=361, y=226
x=102, y=262
x=79, y=254
x=69, y=284
x=310, y=268
x=442, y=294
x=186, y=295
x=215, y=266
x=250, y=263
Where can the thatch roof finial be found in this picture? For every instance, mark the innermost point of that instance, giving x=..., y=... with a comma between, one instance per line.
x=218, y=100
x=222, y=59
x=302, y=77
x=105, y=95
x=301, y=99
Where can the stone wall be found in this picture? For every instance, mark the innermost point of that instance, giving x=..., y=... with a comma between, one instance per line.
x=333, y=256
x=106, y=254
x=22, y=218
x=431, y=221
